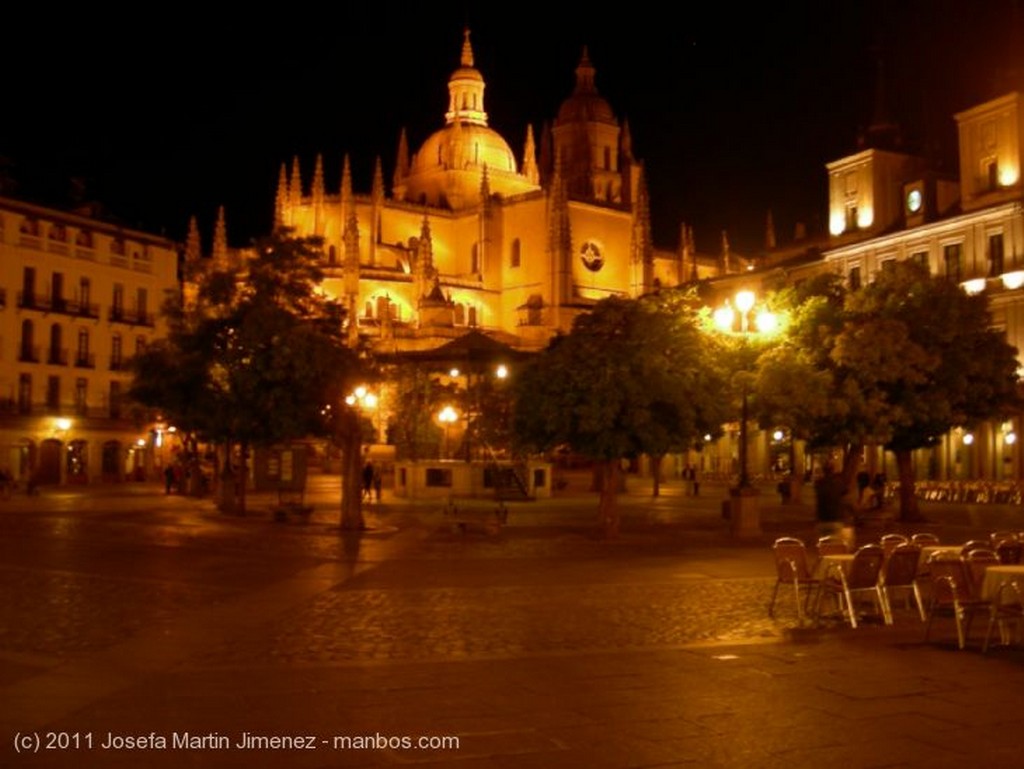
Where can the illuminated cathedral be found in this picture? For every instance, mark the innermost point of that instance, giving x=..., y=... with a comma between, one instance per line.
x=472, y=237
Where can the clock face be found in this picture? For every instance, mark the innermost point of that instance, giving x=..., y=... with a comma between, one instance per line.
x=590, y=254
x=914, y=201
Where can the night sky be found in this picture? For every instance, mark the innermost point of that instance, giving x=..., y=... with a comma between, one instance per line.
x=735, y=112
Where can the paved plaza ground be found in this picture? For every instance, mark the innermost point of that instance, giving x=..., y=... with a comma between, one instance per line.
x=139, y=629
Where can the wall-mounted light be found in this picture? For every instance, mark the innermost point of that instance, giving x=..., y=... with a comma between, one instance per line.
x=975, y=286
x=1013, y=280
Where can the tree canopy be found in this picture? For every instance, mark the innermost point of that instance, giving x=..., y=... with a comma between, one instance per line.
x=254, y=352
x=898, y=362
x=633, y=376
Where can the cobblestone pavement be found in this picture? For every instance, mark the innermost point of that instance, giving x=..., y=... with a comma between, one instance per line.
x=540, y=645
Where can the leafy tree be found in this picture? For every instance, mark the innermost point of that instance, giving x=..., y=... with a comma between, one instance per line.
x=800, y=382
x=419, y=397
x=631, y=377
x=898, y=362
x=254, y=354
x=926, y=350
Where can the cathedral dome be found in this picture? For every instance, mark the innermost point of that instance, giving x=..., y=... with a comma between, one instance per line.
x=585, y=105
x=448, y=169
x=461, y=147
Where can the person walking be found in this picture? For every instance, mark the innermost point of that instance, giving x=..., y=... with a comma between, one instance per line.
x=378, y=483
x=368, y=472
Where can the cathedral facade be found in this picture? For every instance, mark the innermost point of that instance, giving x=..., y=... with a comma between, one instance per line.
x=470, y=236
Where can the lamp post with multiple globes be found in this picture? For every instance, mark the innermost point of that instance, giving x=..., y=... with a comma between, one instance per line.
x=740, y=319
x=351, y=436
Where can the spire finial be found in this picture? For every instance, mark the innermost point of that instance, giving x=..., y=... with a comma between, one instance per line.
x=467, y=49
x=585, y=74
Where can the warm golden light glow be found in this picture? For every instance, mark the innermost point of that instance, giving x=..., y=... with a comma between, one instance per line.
x=724, y=318
x=767, y=322
x=1013, y=280
x=968, y=439
x=1008, y=175
x=745, y=301
x=975, y=286
x=837, y=223
x=361, y=397
x=447, y=415
x=1010, y=438
x=453, y=373
x=62, y=423
x=865, y=217
x=501, y=371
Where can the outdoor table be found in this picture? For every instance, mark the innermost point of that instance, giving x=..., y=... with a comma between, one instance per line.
x=996, y=575
x=929, y=550
x=827, y=563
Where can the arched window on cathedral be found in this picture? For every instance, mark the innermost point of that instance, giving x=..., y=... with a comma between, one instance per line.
x=471, y=318
x=607, y=158
x=332, y=255
x=516, y=253
x=474, y=260
x=368, y=310
x=383, y=310
x=460, y=315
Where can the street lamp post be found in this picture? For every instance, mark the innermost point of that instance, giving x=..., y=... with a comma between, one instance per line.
x=744, y=323
x=358, y=400
x=446, y=416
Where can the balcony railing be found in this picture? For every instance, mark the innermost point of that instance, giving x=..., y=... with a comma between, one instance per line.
x=120, y=363
x=29, y=300
x=131, y=317
x=28, y=353
x=85, y=360
x=57, y=357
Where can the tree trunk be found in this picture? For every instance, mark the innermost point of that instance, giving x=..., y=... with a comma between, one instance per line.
x=909, y=510
x=656, y=474
x=851, y=460
x=608, y=510
x=352, y=477
x=226, y=483
x=243, y=476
